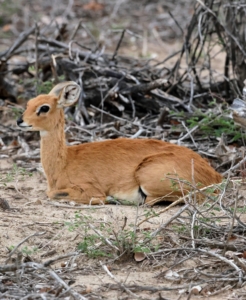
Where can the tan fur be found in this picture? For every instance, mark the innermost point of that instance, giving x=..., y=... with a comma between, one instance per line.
x=88, y=173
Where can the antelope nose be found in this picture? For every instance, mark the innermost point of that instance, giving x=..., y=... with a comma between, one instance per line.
x=19, y=121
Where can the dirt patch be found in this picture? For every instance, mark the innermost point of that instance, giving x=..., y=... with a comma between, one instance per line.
x=64, y=229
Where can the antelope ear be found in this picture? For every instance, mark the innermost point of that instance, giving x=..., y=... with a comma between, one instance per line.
x=66, y=92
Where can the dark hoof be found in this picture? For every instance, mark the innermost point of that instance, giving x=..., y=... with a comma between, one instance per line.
x=61, y=195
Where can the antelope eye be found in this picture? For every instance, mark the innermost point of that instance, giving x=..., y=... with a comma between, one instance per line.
x=43, y=109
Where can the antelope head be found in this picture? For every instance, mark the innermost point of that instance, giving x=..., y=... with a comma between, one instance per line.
x=44, y=112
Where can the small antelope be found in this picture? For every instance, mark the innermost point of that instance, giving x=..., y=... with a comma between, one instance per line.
x=138, y=171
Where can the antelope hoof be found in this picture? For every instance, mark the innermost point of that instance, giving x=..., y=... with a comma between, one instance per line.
x=60, y=195
x=57, y=195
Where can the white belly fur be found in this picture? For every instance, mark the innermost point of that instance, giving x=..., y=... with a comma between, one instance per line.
x=132, y=197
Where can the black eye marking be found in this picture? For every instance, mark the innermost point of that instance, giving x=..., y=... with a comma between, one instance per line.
x=43, y=109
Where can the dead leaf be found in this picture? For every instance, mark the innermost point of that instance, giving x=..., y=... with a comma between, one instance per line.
x=4, y=204
x=93, y=5
x=38, y=202
x=195, y=290
x=109, y=268
x=225, y=153
x=86, y=290
x=139, y=256
x=6, y=27
x=45, y=290
x=146, y=229
x=174, y=122
x=63, y=264
x=232, y=238
x=14, y=143
x=7, y=282
x=230, y=254
x=238, y=108
x=171, y=275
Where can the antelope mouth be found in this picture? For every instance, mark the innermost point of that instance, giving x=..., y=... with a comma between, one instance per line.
x=23, y=126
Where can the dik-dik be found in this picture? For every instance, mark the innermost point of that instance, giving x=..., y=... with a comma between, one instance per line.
x=138, y=171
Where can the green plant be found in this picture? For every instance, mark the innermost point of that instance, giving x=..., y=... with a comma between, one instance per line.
x=103, y=239
x=27, y=251
x=210, y=124
x=44, y=87
x=180, y=228
x=150, y=213
x=8, y=9
x=16, y=112
x=15, y=172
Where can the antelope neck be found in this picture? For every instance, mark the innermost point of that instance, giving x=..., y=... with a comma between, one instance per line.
x=54, y=152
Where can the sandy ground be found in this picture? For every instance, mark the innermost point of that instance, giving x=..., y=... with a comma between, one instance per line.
x=32, y=212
